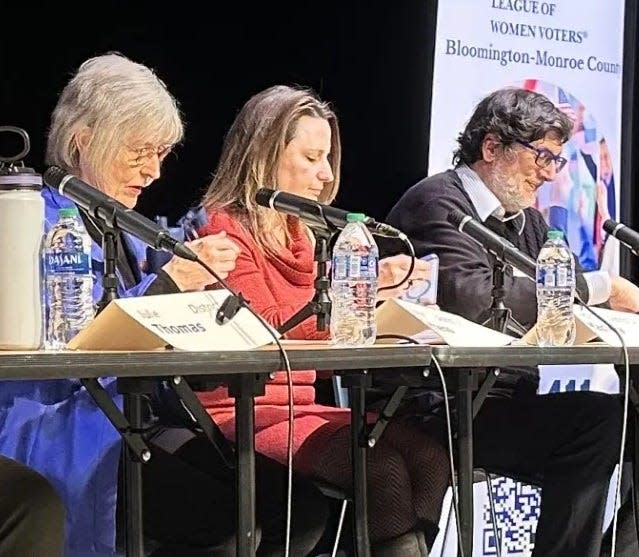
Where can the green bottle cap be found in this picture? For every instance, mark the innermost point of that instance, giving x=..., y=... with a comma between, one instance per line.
x=68, y=212
x=355, y=217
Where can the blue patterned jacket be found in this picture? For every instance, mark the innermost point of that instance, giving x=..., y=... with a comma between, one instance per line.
x=56, y=428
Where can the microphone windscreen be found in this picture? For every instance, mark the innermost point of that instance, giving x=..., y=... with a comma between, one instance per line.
x=456, y=217
x=264, y=197
x=610, y=226
x=53, y=176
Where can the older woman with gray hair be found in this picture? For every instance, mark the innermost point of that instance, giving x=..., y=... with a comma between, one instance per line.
x=114, y=124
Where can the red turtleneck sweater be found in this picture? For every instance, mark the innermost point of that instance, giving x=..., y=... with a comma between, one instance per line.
x=276, y=288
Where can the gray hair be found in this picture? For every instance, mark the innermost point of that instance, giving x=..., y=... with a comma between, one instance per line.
x=512, y=114
x=117, y=100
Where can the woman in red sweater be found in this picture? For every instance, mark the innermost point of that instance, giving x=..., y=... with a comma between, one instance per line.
x=288, y=137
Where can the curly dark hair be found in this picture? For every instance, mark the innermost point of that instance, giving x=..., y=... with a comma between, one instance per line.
x=512, y=114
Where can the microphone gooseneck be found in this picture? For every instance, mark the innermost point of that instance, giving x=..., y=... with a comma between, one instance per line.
x=624, y=234
x=318, y=215
x=493, y=243
x=113, y=213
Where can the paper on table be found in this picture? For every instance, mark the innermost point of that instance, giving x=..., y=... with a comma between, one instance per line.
x=432, y=325
x=626, y=323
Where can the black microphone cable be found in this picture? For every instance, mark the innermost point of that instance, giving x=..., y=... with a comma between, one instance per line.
x=228, y=309
x=411, y=266
x=613, y=228
x=235, y=302
x=118, y=216
x=453, y=481
x=624, y=425
x=449, y=432
x=231, y=305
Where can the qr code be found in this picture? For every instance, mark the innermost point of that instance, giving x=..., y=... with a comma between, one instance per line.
x=517, y=510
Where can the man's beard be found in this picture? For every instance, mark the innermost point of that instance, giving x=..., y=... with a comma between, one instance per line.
x=507, y=190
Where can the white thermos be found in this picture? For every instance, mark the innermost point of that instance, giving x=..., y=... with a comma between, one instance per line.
x=21, y=236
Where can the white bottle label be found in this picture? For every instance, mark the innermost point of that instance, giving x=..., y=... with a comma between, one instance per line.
x=562, y=277
x=355, y=262
x=354, y=266
x=546, y=278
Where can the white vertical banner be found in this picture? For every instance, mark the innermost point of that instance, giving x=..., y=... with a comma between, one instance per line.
x=569, y=50
x=572, y=52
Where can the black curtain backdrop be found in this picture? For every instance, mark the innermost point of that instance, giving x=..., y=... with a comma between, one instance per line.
x=371, y=60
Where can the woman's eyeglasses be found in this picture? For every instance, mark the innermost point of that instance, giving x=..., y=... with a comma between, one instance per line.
x=142, y=155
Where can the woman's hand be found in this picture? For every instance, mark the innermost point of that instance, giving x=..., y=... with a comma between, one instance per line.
x=216, y=250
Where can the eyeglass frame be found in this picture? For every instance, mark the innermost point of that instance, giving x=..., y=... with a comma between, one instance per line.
x=560, y=162
x=146, y=153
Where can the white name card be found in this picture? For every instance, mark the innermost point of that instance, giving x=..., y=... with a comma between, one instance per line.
x=185, y=321
x=396, y=316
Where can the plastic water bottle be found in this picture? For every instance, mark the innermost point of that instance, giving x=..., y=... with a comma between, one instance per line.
x=354, y=285
x=69, y=279
x=555, y=292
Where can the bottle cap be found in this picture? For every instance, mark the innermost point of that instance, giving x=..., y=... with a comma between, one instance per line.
x=355, y=217
x=68, y=212
x=14, y=175
x=555, y=235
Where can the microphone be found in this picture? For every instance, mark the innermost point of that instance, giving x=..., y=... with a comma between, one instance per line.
x=317, y=215
x=114, y=213
x=493, y=243
x=627, y=236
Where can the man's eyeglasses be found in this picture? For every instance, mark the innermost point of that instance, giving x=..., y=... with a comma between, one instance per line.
x=141, y=155
x=545, y=156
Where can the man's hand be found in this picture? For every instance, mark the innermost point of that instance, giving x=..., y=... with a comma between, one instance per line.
x=624, y=295
x=393, y=269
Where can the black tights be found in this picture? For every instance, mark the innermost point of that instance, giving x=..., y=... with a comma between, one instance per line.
x=408, y=474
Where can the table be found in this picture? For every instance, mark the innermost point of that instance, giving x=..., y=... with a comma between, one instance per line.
x=245, y=370
x=466, y=362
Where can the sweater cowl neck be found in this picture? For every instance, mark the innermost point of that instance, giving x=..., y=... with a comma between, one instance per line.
x=295, y=261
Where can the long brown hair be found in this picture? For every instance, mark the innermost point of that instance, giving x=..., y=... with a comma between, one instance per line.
x=251, y=154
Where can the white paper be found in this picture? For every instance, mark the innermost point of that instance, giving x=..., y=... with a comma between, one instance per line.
x=626, y=323
x=454, y=329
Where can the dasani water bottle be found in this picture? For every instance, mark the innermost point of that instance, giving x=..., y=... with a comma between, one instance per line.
x=555, y=292
x=69, y=279
x=354, y=284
